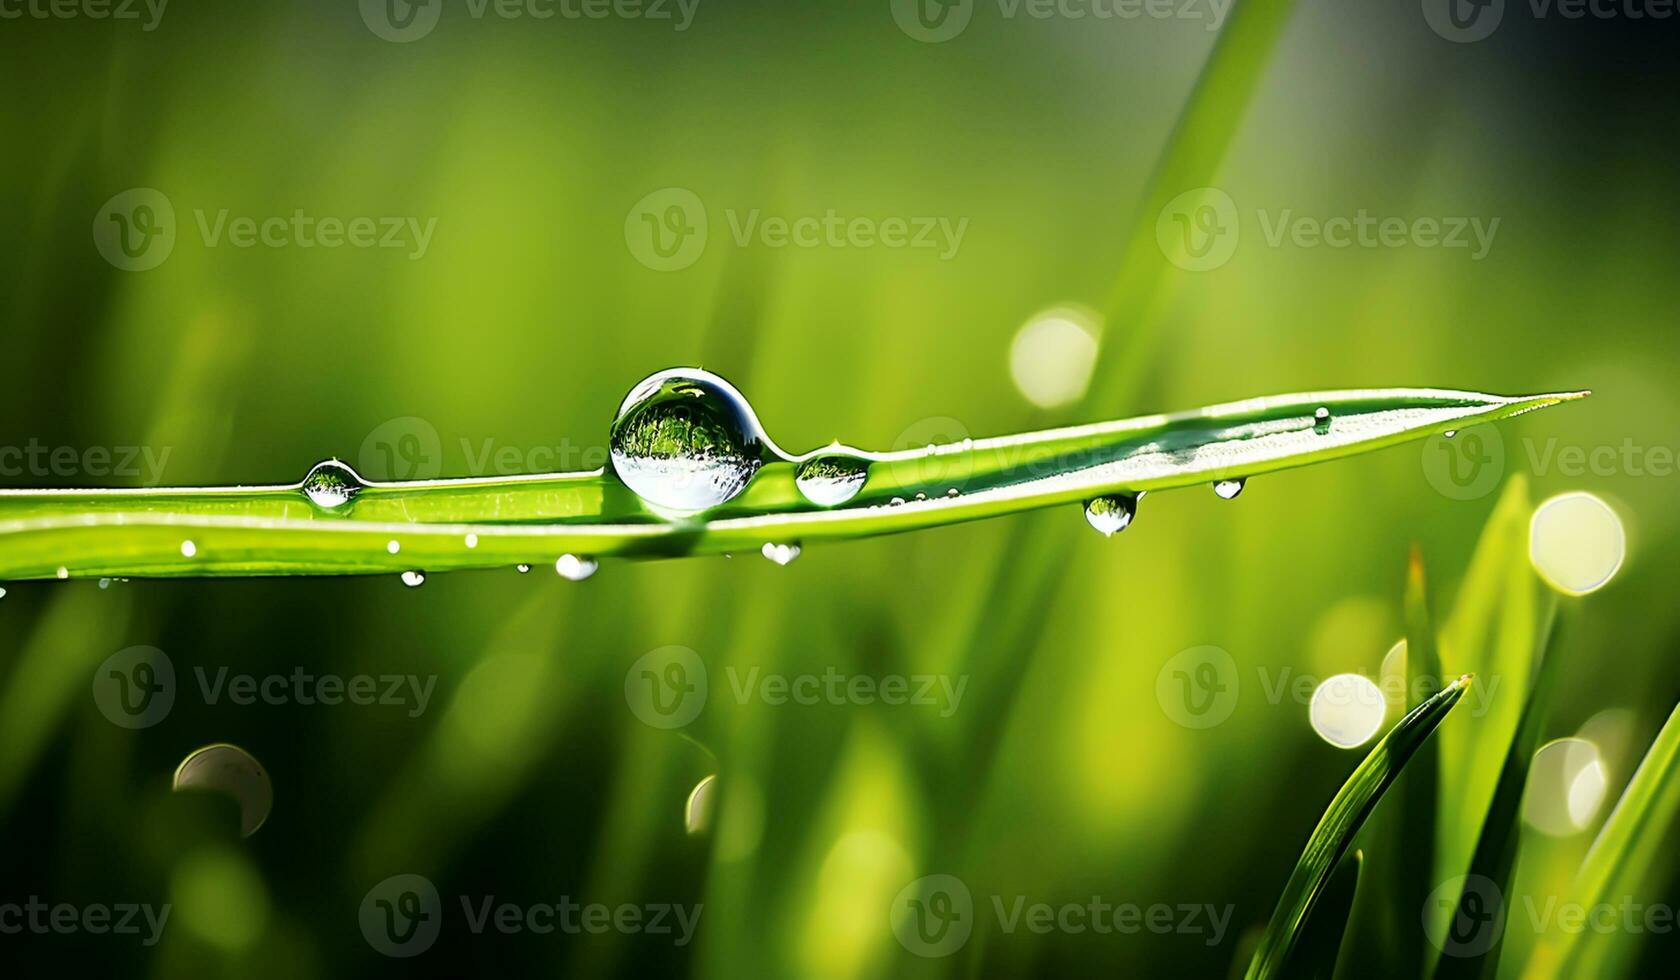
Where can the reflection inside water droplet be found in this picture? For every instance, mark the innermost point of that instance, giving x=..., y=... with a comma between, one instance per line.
x=331, y=484
x=686, y=440
x=781, y=554
x=1111, y=513
x=575, y=568
x=1228, y=489
x=832, y=478
x=413, y=579
x=232, y=772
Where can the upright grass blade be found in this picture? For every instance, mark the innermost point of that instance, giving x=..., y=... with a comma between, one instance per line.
x=478, y=523
x=1620, y=859
x=1336, y=830
x=1321, y=938
x=1496, y=850
x=1420, y=788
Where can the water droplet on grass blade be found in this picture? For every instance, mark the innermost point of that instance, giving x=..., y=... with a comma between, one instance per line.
x=781, y=554
x=231, y=772
x=574, y=568
x=1228, y=489
x=1110, y=513
x=392, y=546
x=685, y=440
x=831, y=479
x=414, y=579
x=331, y=484
x=64, y=573
x=522, y=568
x=472, y=540
x=188, y=549
x=1321, y=420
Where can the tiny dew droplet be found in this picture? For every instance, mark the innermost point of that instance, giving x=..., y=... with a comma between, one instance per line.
x=2, y=593
x=63, y=572
x=896, y=501
x=781, y=554
x=575, y=568
x=522, y=567
x=1228, y=489
x=104, y=583
x=414, y=579
x=1321, y=420
x=1450, y=433
x=472, y=540
x=331, y=484
x=831, y=479
x=392, y=547
x=188, y=549
x=686, y=440
x=1110, y=513
x=953, y=492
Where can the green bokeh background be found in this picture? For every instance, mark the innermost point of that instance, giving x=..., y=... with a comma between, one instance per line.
x=528, y=778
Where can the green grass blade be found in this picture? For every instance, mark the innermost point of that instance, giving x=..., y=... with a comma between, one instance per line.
x=1495, y=856
x=1420, y=789
x=275, y=530
x=1336, y=830
x=1621, y=858
x=1321, y=939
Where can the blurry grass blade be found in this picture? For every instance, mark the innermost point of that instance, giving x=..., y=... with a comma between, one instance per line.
x=1321, y=939
x=388, y=527
x=1496, y=850
x=1621, y=859
x=1336, y=830
x=1420, y=788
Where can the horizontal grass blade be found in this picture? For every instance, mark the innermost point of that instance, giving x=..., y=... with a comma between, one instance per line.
x=1341, y=821
x=531, y=519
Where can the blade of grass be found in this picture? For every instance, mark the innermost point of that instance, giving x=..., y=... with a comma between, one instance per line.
x=276, y=530
x=1620, y=859
x=1341, y=821
x=1496, y=850
x=1321, y=939
x=1420, y=788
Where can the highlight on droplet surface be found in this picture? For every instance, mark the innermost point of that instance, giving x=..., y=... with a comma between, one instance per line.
x=685, y=440
x=414, y=578
x=832, y=478
x=1228, y=489
x=393, y=546
x=575, y=568
x=1111, y=513
x=1053, y=355
x=230, y=771
x=1576, y=542
x=1347, y=710
x=331, y=484
x=1567, y=781
x=702, y=803
x=188, y=549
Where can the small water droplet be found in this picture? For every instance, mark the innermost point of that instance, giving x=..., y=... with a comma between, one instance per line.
x=104, y=583
x=392, y=547
x=414, y=579
x=522, y=567
x=1321, y=420
x=1110, y=513
x=188, y=549
x=63, y=572
x=686, y=440
x=575, y=568
x=896, y=501
x=2, y=593
x=831, y=479
x=953, y=492
x=781, y=554
x=1228, y=489
x=921, y=496
x=331, y=484
x=472, y=540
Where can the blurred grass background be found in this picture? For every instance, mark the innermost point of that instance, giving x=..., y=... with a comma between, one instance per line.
x=528, y=318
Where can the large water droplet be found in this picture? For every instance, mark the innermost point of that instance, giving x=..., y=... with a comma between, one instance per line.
x=575, y=568
x=686, y=440
x=414, y=579
x=1228, y=489
x=832, y=478
x=1110, y=513
x=781, y=554
x=230, y=771
x=331, y=484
